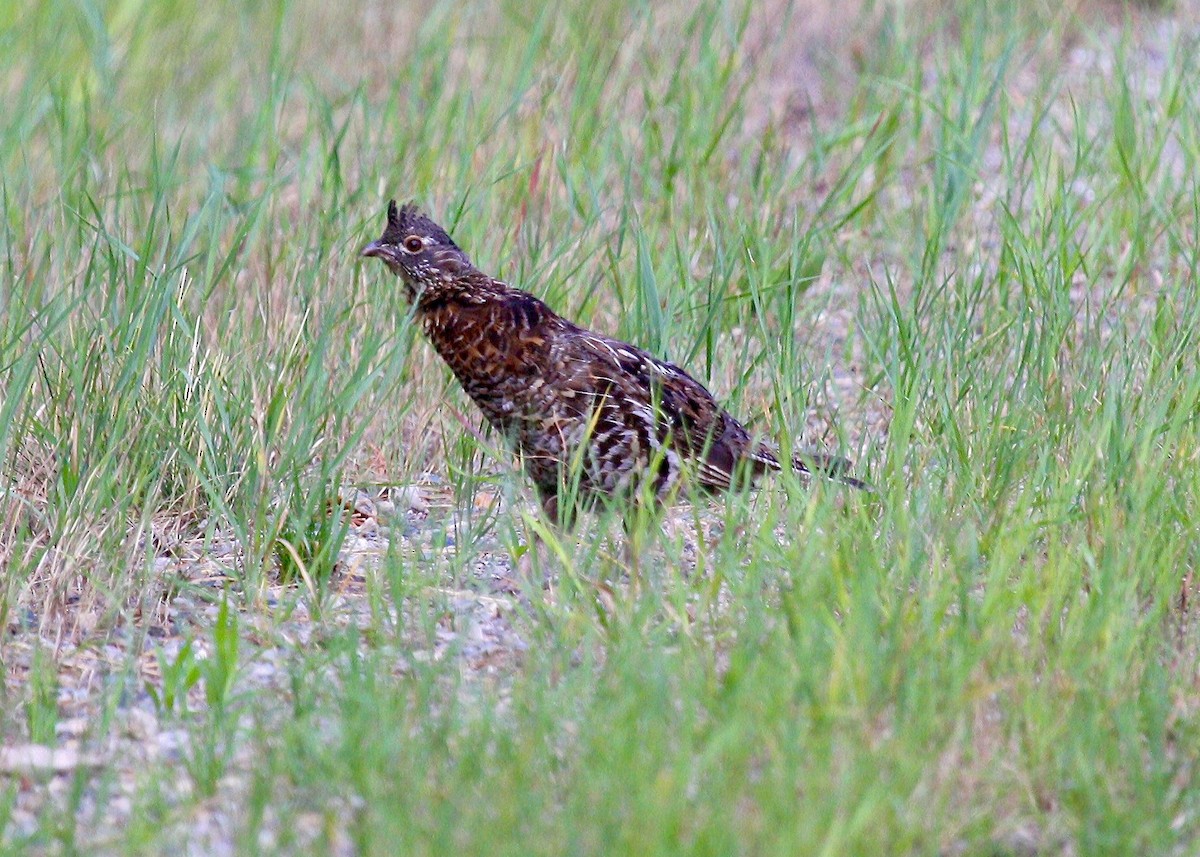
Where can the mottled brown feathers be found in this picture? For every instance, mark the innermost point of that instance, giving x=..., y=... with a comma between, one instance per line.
x=589, y=416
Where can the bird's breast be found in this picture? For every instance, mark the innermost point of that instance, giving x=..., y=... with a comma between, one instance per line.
x=498, y=367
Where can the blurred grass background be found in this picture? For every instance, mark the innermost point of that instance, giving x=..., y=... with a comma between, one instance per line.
x=958, y=240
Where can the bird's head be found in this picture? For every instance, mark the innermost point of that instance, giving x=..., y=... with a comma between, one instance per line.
x=418, y=251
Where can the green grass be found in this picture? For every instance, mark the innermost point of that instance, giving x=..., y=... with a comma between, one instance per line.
x=962, y=245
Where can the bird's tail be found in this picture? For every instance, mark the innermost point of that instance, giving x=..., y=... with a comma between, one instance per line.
x=831, y=467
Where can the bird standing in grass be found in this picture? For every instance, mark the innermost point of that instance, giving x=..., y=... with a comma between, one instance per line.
x=590, y=417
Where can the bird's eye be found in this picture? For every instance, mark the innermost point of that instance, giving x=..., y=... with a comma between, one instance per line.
x=413, y=244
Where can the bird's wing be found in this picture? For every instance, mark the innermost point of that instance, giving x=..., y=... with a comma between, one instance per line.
x=676, y=408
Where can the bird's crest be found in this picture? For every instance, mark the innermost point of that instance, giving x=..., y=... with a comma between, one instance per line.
x=410, y=220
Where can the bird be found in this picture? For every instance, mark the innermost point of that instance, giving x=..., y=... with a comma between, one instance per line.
x=591, y=418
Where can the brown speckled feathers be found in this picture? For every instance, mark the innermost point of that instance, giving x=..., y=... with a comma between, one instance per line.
x=574, y=404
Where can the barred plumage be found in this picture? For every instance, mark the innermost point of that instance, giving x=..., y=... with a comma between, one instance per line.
x=581, y=409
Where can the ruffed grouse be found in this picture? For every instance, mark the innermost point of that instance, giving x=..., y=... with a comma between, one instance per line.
x=591, y=417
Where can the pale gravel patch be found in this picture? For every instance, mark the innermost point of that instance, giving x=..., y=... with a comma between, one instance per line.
x=477, y=628
x=480, y=627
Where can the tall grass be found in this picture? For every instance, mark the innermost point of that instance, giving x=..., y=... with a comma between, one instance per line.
x=958, y=242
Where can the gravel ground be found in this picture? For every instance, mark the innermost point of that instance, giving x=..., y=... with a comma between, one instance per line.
x=482, y=623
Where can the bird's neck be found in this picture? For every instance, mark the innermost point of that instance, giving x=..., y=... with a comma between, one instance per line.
x=472, y=289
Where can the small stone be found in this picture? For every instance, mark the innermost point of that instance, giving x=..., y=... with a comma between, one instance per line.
x=140, y=724
x=408, y=497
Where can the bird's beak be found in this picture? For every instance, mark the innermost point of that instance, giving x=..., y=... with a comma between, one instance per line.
x=374, y=249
